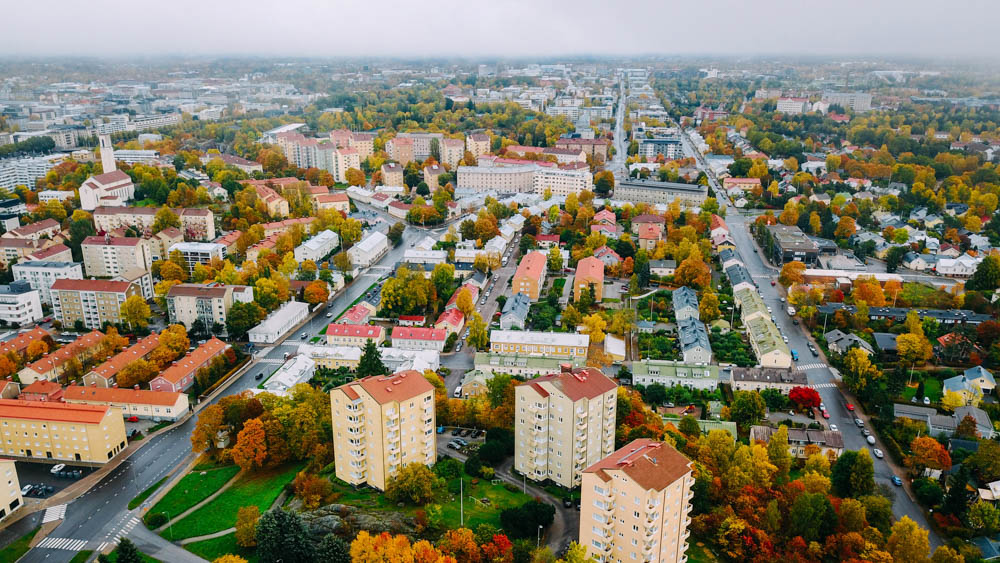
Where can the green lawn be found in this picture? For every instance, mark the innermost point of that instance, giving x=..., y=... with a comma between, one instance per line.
x=145, y=494
x=194, y=488
x=81, y=557
x=932, y=389
x=260, y=489
x=698, y=553
x=19, y=547
x=477, y=513
x=113, y=557
x=217, y=547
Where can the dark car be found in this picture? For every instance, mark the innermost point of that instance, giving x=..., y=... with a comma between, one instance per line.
x=455, y=431
x=465, y=432
x=259, y=376
x=567, y=502
x=810, y=413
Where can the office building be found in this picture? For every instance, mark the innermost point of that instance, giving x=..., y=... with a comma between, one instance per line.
x=564, y=422
x=382, y=424
x=70, y=433
x=635, y=504
x=92, y=302
x=529, y=278
x=107, y=256
x=41, y=275
x=792, y=106
x=663, y=193
x=790, y=243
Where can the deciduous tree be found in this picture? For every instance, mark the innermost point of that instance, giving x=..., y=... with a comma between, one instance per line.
x=250, y=450
x=135, y=311
x=908, y=541
x=478, y=335
x=928, y=452
x=246, y=526
x=792, y=273
x=693, y=271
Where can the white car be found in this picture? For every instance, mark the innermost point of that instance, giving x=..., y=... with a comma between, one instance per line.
x=57, y=468
x=870, y=440
x=878, y=453
x=833, y=427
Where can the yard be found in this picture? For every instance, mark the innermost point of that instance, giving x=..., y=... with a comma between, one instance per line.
x=217, y=547
x=260, y=489
x=698, y=553
x=477, y=511
x=145, y=494
x=931, y=389
x=194, y=488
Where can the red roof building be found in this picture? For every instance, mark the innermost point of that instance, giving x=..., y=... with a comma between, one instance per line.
x=418, y=338
x=42, y=390
x=180, y=375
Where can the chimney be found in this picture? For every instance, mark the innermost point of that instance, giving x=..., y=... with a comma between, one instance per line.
x=135, y=387
x=566, y=368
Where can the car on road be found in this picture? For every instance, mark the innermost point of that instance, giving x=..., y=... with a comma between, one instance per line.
x=132, y=418
x=897, y=481
x=772, y=281
x=833, y=427
x=860, y=423
x=303, y=336
x=826, y=414
x=870, y=440
x=866, y=432
x=850, y=407
x=459, y=347
x=57, y=468
x=822, y=406
x=878, y=453
x=567, y=502
x=329, y=315
x=785, y=338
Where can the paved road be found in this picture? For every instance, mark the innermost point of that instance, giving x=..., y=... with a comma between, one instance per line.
x=617, y=164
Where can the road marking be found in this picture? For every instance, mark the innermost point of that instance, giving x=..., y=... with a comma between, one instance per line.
x=68, y=544
x=824, y=386
x=806, y=367
x=54, y=513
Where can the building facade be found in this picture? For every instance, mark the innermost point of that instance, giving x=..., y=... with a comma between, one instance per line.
x=41, y=275
x=109, y=256
x=74, y=434
x=93, y=302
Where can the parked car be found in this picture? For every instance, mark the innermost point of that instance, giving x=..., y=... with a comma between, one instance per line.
x=303, y=336
x=26, y=489
x=897, y=481
x=329, y=315
x=132, y=418
x=453, y=445
x=833, y=427
x=461, y=442
x=772, y=281
x=567, y=502
x=826, y=414
x=927, y=400
x=57, y=468
x=259, y=376
x=850, y=407
x=878, y=453
x=870, y=440
x=859, y=422
x=866, y=432
x=455, y=431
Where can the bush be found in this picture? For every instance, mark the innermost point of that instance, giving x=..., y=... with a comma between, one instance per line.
x=448, y=468
x=492, y=452
x=473, y=465
x=487, y=472
x=155, y=520
x=928, y=492
x=523, y=522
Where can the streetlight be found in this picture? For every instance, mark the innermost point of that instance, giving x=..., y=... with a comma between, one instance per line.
x=170, y=525
x=538, y=537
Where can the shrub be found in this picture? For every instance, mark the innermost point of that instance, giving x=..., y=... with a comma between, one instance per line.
x=155, y=519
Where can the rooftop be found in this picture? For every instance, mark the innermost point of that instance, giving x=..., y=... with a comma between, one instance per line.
x=652, y=465
x=52, y=411
x=118, y=395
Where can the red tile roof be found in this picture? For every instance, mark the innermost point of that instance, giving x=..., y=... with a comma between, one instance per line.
x=532, y=266
x=115, y=364
x=20, y=343
x=418, y=333
x=193, y=361
x=590, y=269
x=649, y=231
x=53, y=412
x=33, y=228
x=42, y=387
x=118, y=395
x=111, y=241
x=52, y=360
x=580, y=383
x=47, y=252
x=396, y=387
x=454, y=317
x=718, y=222
x=652, y=465
x=361, y=331
x=91, y=285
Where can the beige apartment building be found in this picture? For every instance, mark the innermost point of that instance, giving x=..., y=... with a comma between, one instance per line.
x=381, y=424
x=10, y=489
x=477, y=144
x=392, y=174
x=108, y=256
x=94, y=302
x=188, y=302
x=564, y=423
x=87, y=434
x=160, y=243
x=452, y=152
x=155, y=405
x=400, y=149
x=544, y=344
x=196, y=224
x=364, y=143
x=635, y=503
x=529, y=278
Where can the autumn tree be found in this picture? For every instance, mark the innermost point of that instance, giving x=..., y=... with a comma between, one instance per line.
x=845, y=227
x=928, y=452
x=805, y=397
x=316, y=292
x=778, y=454
x=859, y=372
x=693, y=272
x=172, y=271
x=464, y=301
x=137, y=372
x=35, y=350
x=164, y=218
x=908, y=541
x=250, y=450
x=209, y=423
x=478, y=334
x=748, y=408
x=708, y=307
x=792, y=273
x=135, y=311
x=355, y=177
x=554, y=260
x=312, y=489
x=246, y=526
x=227, y=558
x=914, y=349
x=967, y=428
x=594, y=326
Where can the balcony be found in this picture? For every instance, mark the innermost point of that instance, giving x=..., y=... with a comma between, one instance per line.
x=359, y=454
x=652, y=517
x=581, y=423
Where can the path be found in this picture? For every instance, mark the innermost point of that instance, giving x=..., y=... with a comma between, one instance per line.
x=207, y=500
x=277, y=503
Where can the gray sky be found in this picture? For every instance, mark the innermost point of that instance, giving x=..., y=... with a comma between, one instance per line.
x=508, y=28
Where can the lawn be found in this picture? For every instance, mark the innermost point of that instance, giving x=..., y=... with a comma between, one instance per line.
x=477, y=513
x=145, y=494
x=81, y=556
x=113, y=557
x=217, y=547
x=194, y=488
x=698, y=553
x=260, y=489
x=19, y=547
x=932, y=389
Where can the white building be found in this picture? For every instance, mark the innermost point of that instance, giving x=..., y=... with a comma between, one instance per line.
x=20, y=304
x=46, y=196
x=792, y=106
x=41, y=275
x=369, y=249
x=198, y=252
x=24, y=171
x=860, y=102
x=562, y=182
x=279, y=322
x=318, y=247
x=299, y=369
x=113, y=187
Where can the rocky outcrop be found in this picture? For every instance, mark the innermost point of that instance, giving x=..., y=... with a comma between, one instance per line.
x=343, y=519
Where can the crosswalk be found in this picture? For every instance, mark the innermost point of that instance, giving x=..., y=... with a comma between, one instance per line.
x=68, y=544
x=806, y=367
x=271, y=361
x=54, y=513
x=824, y=386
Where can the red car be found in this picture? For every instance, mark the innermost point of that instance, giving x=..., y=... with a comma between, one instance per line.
x=133, y=419
x=850, y=407
x=772, y=282
x=826, y=414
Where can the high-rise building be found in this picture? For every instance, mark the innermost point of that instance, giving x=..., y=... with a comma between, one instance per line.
x=93, y=302
x=563, y=423
x=634, y=504
x=381, y=424
x=107, y=256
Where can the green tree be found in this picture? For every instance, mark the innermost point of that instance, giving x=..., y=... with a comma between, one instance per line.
x=396, y=233
x=777, y=452
x=986, y=276
x=748, y=408
x=812, y=517
x=127, y=552
x=241, y=318
x=371, y=361
x=555, y=260
x=165, y=218
x=332, y=549
x=282, y=536
x=413, y=484
x=478, y=336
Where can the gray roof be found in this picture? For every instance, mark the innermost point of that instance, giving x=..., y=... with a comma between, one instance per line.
x=899, y=313
x=886, y=341
x=692, y=333
x=662, y=263
x=975, y=372
x=727, y=255
x=785, y=376
x=518, y=305
x=843, y=340
x=684, y=297
x=738, y=274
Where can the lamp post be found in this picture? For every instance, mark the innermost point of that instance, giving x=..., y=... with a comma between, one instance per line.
x=170, y=525
x=538, y=537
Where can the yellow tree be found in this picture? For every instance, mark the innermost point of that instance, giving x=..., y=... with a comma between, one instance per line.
x=464, y=301
x=859, y=371
x=792, y=273
x=815, y=225
x=914, y=349
x=316, y=292
x=708, y=307
x=135, y=311
x=790, y=215
x=172, y=271
x=478, y=337
x=845, y=228
x=246, y=526
x=594, y=326
x=693, y=271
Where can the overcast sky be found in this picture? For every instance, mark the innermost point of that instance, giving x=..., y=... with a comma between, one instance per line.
x=506, y=28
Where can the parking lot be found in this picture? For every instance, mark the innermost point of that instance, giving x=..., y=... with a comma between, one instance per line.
x=40, y=474
x=465, y=440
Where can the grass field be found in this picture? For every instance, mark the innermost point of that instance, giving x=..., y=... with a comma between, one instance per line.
x=476, y=512
x=19, y=547
x=260, y=489
x=194, y=488
x=145, y=494
x=698, y=553
x=81, y=556
x=217, y=547
x=932, y=389
x=113, y=557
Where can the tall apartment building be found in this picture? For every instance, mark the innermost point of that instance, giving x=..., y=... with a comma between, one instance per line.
x=400, y=149
x=564, y=423
x=860, y=102
x=392, y=174
x=189, y=302
x=381, y=424
x=10, y=493
x=25, y=171
x=516, y=178
x=20, y=304
x=60, y=431
x=529, y=278
x=452, y=151
x=319, y=153
x=108, y=256
x=364, y=143
x=562, y=182
x=41, y=275
x=423, y=144
x=477, y=144
x=196, y=223
x=94, y=302
x=160, y=243
x=635, y=503
x=195, y=253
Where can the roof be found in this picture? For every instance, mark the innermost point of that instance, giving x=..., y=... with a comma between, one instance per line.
x=33, y=228
x=115, y=364
x=197, y=290
x=518, y=305
x=648, y=218
x=590, y=268
x=785, y=376
x=53, y=411
x=111, y=177
x=91, y=285
x=357, y=313
x=542, y=338
x=650, y=231
x=652, y=465
x=366, y=331
x=50, y=251
x=532, y=266
x=55, y=359
x=684, y=297
x=826, y=438
x=885, y=341
x=977, y=372
x=718, y=222
x=193, y=361
x=453, y=316
x=20, y=342
x=577, y=384
x=390, y=388
x=692, y=334
x=118, y=395
x=42, y=387
x=418, y=333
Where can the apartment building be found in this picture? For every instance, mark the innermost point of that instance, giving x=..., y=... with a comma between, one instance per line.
x=277, y=206
x=564, y=422
x=106, y=374
x=589, y=275
x=532, y=343
x=319, y=153
x=107, y=256
x=46, y=228
x=354, y=335
x=338, y=201
x=16, y=249
x=196, y=224
x=190, y=302
x=655, y=192
x=318, y=247
x=562, y=182
x=160, y=243
x=529, y=278
x=423, y=144
x=767, y=344
x=392, y=174
x=180, y=375
x=20, y=304
x=369, y=249
x=452, y=152
x=154, y=405
x=363, y=143
x=10, y=494
x=93, y=302
x=419, y=338
x=477, y=144
x=85, y=434
x=195, y=253
x=635, y=504
x=381, y=424
x=518, y=178
x=859, y=102
x=52, y=365
x=792, y=106
x=431, y=175
x=400, y=149
x=594, y=148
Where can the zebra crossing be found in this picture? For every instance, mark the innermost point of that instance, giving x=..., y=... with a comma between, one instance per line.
x=275, y=361
x=806, y=367
x=824, y=386
x=54, y=513
x=68, y=544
